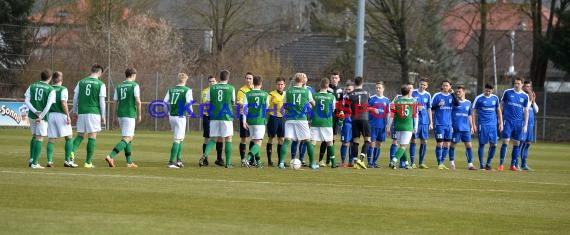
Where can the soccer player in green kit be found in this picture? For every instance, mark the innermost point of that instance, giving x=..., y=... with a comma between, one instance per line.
x=322, y=122
x=39, y=98
x=405, y=124
x=255, y=119
x=59, y=122
x=89, y=105
x=297, y=100
x=221, y=97
x=177, y=98
x=127, y=96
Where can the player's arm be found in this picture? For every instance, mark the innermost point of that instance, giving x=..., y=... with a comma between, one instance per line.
x=233, y=96
x=470, y=118
x=28, y=103
x=189, y=98
x=534, y=107
x=500, y=118
x=74, y=109
x=137, y=93
x=51, y=100
x=389, y=125
x=311, y=100
x=525, y=111
x=473, y=118
x=243, y=114
x=64, y=97
x=102, y=104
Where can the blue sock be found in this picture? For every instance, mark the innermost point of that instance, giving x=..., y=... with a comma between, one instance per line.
x=444, y=152
x=369, y=156
x=402, y=163
x=412, y=153
x=515, y=155
x=302, y=151
x=294, y=145
x=491, y=155
x=376, y=155
x=438, y=155
x=343, y=153
x=480, y=154
x=423, y=148
x=502, y=154
x=452, y=154
x=469, y=153
x=393, y=149
x=525, y=154
x=350, y=155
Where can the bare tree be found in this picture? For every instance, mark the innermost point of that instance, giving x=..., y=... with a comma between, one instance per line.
x=389, y=24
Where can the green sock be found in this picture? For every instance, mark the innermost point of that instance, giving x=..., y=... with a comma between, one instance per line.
x=68, y=149
x=399, y=153
x=118, y=148
x=228, y=151
x=254, y=151
x=49, y=151
x=32, y=142
x=128, y=152
x=283, y=150
x=174, y=152
x=90, y=150
x=331, y=153
x=311, y=152
x=37, y=151
x=405, y=157
x=76, y=142
x=179, y=154
x=211, y=144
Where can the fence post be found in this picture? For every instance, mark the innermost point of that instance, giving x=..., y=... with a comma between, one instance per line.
x=544, y=114
x=156, y=98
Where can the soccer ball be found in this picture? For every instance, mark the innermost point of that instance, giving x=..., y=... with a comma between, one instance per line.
x=295, y=164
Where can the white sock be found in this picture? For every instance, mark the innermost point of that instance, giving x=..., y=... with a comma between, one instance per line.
x=452, y=163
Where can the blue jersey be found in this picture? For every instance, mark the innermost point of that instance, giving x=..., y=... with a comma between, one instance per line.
x=461, y=116
x=486, y=109
x=424, y=99
x=380, y=107
x=531, y=112
x=311, y=89
x=514, y=104
x=442, y=114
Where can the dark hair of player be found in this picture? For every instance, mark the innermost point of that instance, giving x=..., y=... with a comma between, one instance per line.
x=224, y=75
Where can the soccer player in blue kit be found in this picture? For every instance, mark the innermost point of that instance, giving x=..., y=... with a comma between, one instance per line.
x=462, y=128
x=423, y=97
x=379, y=109
x=530, y=136
x=488, y=116
x=442, y=105
x=515, y=104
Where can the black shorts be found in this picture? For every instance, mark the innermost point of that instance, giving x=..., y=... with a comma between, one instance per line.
x=242, y=131
x=276, y=127
x=360, y=127
x=206, y=126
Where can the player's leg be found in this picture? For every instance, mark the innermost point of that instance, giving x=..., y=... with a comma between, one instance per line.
x=53, y=134
x=302, y=151
x=469, y=153
x=122, y=144
x=374, y=134
x=439, y=133
x=377, y=152
x=93, y=127
x=454, y=141
x=176, y=139
x=243, y=134
x=271, y=133
x=524, y=164
x=366, y=134
x=289, y=136
x=423, y=135
x=227, y=134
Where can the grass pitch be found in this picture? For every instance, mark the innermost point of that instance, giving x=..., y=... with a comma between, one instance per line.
x=155, y=200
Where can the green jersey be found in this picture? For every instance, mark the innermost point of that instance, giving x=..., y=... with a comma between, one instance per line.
x=221, y=97
x=88, y=91
x=256, y=103
x=297, y=103
x=125, y=96
x=61, y=94
x=323, y=110
x=39, y=96
x=177, y=98
x=403, y=114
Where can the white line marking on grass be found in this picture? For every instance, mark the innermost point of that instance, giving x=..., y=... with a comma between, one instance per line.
x=279, y=183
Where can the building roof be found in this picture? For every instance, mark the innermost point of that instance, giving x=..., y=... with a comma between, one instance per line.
x=463, y=21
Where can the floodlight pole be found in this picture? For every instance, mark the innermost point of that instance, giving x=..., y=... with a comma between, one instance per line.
x=107, y=125
x=359, y=63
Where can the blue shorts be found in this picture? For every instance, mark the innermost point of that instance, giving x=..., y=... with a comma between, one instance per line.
x=276, y=127
x=423, y=132
x=443, y=133
x=529, y=135
x=487, y=134
x=346, y=133
x=378, y=134
x=463, y=136
x=242, y=131
x=512, y=130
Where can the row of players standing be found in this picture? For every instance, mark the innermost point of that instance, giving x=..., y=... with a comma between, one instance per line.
x=89, y=95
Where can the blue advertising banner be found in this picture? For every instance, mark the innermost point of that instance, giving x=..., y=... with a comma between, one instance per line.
x=13, y=114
